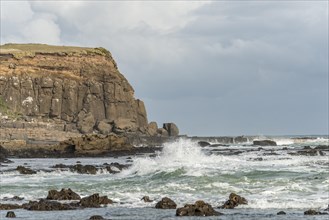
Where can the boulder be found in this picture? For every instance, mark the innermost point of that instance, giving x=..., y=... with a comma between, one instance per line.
x=10, y=214
x=24, y=170
x=264, y=143
x=314, y=212
x=171, y=128
x=104, y=128
x=84, y=169
x=199, y=208
x=123, y=125
x=281, y=213
x=162, y=132
x=86, y=122
x=152, y=128
x=64, y=194
x=166, y=203
x=94, y=201
x=234, y=201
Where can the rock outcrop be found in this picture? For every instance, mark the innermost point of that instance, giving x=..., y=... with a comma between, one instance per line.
x=166, y=203
x=199, y=208
x=233, y=201
x=79, y=87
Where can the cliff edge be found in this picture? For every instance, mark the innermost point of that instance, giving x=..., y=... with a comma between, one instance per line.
x=66, y=92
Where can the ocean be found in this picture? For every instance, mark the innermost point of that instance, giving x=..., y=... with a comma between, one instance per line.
x=271, y=178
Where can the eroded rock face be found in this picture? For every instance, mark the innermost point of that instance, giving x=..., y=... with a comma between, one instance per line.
x=82, y=87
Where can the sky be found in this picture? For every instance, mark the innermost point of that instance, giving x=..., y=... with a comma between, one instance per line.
x=214, y=68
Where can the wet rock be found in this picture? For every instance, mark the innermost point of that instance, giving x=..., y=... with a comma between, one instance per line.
x=9, y=206
x=234, y=201
x=311, y=152
x=96, y=217
x=64, y=194
x=199, y=208
x=84, y=169
x=14, y=198
x=314, y=212
x=24, y=170
x=10, y=214
x=166, y=203
x=264, y=143
x=281, y=213
x=322, y=147
x=203, y=143
x=146, y=199
x=46, y=205
x=94, y=201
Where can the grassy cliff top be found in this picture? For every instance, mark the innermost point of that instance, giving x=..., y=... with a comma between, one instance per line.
x=29, y=50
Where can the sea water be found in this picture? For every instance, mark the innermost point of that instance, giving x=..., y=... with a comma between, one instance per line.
x=270, y=178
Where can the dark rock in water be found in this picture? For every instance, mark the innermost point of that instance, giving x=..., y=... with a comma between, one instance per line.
x=46, y=205
x=146, y=199
x=64, y=194
x=9, y=206
x=199, y=208
x=322, y=147
x=24, y=170
x=240, y=139
x=84, y=169
x=10, y=214
x=264, y=143
x=171, y=128
x=234, y=201
x=327, y=209
x=96, y=217
x=314, y=212
x=17, y=198
x=281, y=213
x=94, y=201
x=307, y=148
x=311, y=152
x=166, y=203
x=203, y=143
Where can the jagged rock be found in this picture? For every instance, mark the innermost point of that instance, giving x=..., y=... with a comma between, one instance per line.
x=264, y=143
x=64, y=194
x=10, y=214
x=14, y=198
x=9, y=206
x=171, y=128
x=234, y=201
x=146, y=199
x=96, y=217
x=281, y=213
x=46, y=205
x=203, y=143
x=166, y=203
x=24, y=170
x=86, y=122
x=199, y=208
x=94, y=201
x=84, y=169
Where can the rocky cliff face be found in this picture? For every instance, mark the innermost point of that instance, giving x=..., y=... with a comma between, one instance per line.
x=81, y=88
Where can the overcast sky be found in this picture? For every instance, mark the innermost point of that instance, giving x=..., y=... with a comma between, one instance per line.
x=213, y=68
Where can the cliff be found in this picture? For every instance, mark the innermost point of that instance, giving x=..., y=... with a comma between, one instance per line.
x=81, y=87
x=69, y=100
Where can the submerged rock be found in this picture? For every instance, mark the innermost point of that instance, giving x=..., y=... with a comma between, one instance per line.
x=314, y=212
x=199, y=208
x=234, y=201
x=10, y=214
x=24, y=170
x=64, y=194
x=166, y=203
x=146, y=199
x=14, y=198
x=281, y=213
x=264, y=143
x=9, y=206
x=203, y=143
x=96, y=217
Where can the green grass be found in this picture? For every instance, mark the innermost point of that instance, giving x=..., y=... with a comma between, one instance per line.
x=29, y=50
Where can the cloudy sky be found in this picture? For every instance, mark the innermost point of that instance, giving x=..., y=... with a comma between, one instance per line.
x=213, y=68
